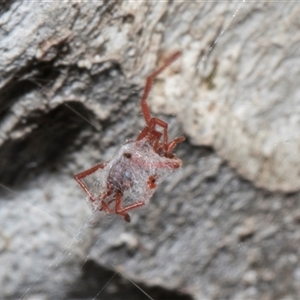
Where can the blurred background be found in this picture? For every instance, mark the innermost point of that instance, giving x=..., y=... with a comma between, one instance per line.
x=226, y=225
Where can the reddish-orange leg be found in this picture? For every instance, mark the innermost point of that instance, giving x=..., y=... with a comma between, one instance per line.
x=151, y=122
x=149, y=130
x=78, y=177
x=123, y=210
x=117, y=197
x=149, y=82
x=159, y=142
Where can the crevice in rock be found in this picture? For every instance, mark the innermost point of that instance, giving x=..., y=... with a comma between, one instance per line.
x=45, y=146
x=36, y=75
x=116, y=287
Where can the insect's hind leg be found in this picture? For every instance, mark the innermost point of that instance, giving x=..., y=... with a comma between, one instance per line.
x=123, y=210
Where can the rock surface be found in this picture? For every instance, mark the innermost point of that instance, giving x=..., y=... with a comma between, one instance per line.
x=226, y=226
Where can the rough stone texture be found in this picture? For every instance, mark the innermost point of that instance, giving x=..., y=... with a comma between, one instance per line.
x=71, y=77
x=243, y=93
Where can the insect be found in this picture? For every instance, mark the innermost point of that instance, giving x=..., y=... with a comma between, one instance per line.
x=130, y=178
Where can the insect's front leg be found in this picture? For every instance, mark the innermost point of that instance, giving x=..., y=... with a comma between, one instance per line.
x=149, y=81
